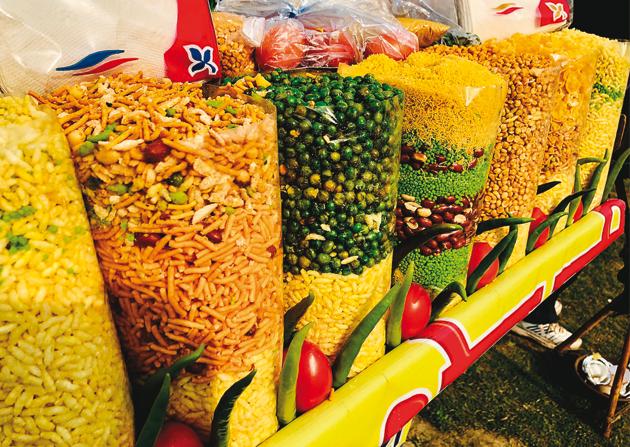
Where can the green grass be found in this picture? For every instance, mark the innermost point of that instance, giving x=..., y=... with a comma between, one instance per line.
x=519, y=394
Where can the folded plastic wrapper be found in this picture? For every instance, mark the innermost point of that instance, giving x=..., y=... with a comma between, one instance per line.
x=318, y=33
x=432, y=22
x=45, y=44
x=496, y=19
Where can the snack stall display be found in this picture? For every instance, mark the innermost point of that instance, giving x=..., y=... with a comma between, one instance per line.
x=522, y=137
x=452, y=109
x=275, y=223
x=183, y=198
x=62, y=377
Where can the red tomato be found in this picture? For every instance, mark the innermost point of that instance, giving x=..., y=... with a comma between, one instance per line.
x=539, y=217
x=397, y=44
x=417, y=312
x=329, y=49
x=479, y=251
x=314, y=380
x=176, y=434
x=579, y=211
x=283, y=46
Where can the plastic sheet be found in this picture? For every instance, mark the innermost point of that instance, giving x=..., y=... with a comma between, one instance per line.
x=452, y=108
x=318, y=33
x=185, y=212
x=45, y=44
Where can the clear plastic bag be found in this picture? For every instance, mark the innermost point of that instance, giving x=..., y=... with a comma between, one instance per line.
x=451, y=114
x=185, y=213
x=47, y=43
x=63, y=379
x=318, y=33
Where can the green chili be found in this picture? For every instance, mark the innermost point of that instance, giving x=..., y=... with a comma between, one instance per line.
x=178, y=197
x=155, y=419
x=551, y=220
x=445, y=297
x=232, y=110
x=414, y=242
x=614, y=173
x=118, y=189
x=18, y=214
x=170, y=112
x=103, y=136
x=597, y=174
x=293, y=315
x=492, y=224
x=220, y=430
x=288, y=377
x=563, y=204
x=486, y=262
x=146, y=392
x=352, y=346
x=16, y=243
x=505, y=255
x=394, y=322
x=547, y=186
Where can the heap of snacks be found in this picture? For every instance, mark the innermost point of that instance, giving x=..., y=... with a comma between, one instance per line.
x=183, y=198
x=339, y=141
x=451, y=114
x=569, y=110
x=62, y=377
x=237, y=53
x=611, y=76
x=518, y=151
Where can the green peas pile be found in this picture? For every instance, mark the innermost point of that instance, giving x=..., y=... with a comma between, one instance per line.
x=339, y=149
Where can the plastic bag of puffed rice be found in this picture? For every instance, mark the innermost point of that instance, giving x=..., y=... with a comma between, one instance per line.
x=47, y=43
x=62, y=377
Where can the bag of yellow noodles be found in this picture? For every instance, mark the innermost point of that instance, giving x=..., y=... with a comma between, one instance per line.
x=62, y=377
x=185, y=211
x=606, y=102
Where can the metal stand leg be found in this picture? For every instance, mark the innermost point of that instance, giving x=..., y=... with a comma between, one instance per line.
x=613, y=415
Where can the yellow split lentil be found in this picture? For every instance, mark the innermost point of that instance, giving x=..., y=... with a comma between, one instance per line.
x=611, y=76
x=568, y=115
x=62, y=376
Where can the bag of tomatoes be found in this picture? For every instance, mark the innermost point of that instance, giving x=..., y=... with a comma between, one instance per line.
x=318, y=33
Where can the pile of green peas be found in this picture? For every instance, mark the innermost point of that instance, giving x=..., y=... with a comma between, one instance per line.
x=339, y=150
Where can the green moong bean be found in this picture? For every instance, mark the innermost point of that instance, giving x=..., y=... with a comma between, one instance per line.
x=220, y=429
x=394, y=321
x=157, y=414
x=614, y=173
x=287, y=410
x=294, y=314
x=445, y=297
x=103, y=136
x=352, y=346
x=492, y=224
